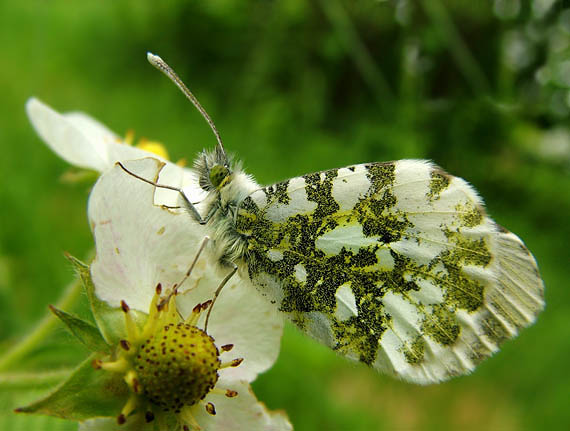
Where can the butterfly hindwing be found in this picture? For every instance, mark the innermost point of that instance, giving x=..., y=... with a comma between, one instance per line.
x=394, y=264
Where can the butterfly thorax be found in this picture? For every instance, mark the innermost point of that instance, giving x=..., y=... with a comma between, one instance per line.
x=227, y=186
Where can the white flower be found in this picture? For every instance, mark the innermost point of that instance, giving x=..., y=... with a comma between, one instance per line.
x=85, y=143
x=79, y=139
x=139, y=245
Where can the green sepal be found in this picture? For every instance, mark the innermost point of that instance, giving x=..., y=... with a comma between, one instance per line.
x=79, y=176
x=87, y=393
x=110, y=320
x=88, y=334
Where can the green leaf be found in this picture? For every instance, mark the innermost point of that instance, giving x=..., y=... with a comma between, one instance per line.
x=110, y=320
x=85, y=332
x=31, y=380
x=11, y=422
x=87, y=393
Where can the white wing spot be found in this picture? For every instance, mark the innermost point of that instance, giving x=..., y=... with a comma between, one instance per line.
x=300, y=273
x=275, y=255
x=348, y=187
x=345, y=302
x=428, y=294
x=385, y=259
x=298, y=203
x=350, y=237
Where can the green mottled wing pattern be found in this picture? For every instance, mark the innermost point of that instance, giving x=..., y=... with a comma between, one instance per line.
x=393, y=264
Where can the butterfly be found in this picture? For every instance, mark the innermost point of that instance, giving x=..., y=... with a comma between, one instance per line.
x=393, y=264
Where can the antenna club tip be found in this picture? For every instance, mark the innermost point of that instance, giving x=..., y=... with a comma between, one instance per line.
x=152, y=58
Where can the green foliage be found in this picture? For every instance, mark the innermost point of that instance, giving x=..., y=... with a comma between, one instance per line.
x=110, y=320
x=85, y=332
x=87, y=393
x=294, y=87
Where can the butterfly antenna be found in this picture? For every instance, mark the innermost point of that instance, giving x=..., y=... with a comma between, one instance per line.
x=161, y=65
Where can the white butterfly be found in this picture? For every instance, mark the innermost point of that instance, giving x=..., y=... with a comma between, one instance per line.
x=394, y=264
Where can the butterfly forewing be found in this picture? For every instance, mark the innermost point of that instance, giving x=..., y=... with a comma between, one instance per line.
x=394, y=264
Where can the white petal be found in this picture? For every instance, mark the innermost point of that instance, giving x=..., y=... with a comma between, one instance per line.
x=242, y=317
x=243, y=412
x=138, y=244
x=79, y=139
x=91, y=127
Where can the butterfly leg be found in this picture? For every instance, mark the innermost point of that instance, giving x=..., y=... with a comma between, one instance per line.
x=217, y=292
x=189, y=205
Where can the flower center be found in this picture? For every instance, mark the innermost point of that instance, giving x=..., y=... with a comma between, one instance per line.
x=177, y=366
x=170, y=365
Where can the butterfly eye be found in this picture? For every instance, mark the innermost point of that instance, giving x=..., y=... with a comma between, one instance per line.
x=218, y=174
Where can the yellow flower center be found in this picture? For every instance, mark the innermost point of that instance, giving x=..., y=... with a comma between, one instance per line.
x=170, y=365
x=153, y=147
x=177, y=366
x=147, y=145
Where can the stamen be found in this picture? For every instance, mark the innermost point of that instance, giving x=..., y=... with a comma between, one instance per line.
x=153, y=304
x=132, y=381
x=192, y=320
x=226, y=392
x=211, y=409
x=125, y=345
x=186, y=416
x=171, y=315
x=194, y=316
x=119, y=366
x=132, y=330
x=130, y=137
x=233, y=363
x=168, y=308
x=149, y=416
x=231, y=393
x=226, y=347
x=127, y=409
x=153, y=316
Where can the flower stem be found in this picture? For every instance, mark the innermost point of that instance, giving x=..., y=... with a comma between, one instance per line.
x=28, y=343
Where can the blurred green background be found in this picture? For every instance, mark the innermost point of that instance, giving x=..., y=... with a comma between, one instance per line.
x=480, y=87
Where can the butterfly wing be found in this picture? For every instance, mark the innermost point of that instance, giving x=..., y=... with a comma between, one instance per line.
x=393, y=264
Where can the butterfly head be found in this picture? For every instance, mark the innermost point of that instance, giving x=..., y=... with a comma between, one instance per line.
x=219, y=175
x=214, y=170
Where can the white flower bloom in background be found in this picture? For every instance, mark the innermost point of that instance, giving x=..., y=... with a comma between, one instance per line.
x=140, y=246
x=85, y=143
x=81, y=140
